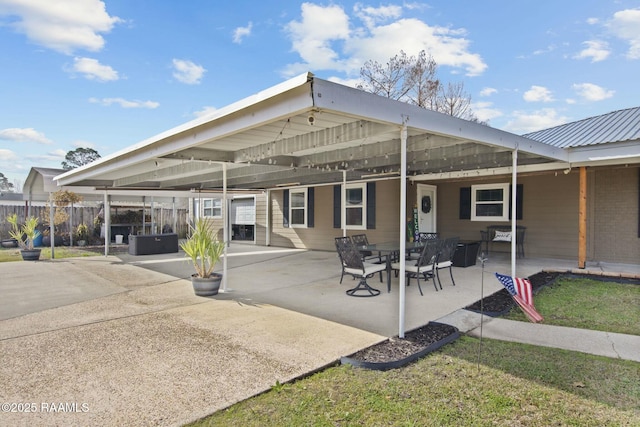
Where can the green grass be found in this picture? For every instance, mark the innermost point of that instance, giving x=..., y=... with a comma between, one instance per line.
x=588, y=304
x=10, y=254
x=465, y=384
x=514, y=384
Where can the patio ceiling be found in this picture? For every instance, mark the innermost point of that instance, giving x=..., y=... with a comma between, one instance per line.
x=267, y=140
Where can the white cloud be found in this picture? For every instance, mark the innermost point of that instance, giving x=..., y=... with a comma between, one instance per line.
x=592, y=21
x=7, y=155
x=485, y=111
x=242, y=32
x=61, y=25
x=24, y=135
x=625, y=24
x=187, y=72
x=596, y=50
x=52, y=156
x=375, y=15
x=124, y=103
x=94, y=70
x=538, y=94
x=205, y=111
x=326, y=38
x=83, y=144
x=524, y=122
x=591, y=92
x=488, y=91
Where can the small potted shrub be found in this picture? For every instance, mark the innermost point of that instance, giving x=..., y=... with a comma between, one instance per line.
x=25, y=234
x=204, y=250
x=82, y=234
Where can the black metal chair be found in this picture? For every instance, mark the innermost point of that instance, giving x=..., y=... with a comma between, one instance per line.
x=425, y=265
x=423, y=237
x=367, y=256
x=445, y=257
x=352, y=264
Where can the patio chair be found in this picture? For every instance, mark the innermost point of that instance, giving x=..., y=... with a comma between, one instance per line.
x=341, y=242
x=423, y=237
x=367, y=256
x=353, y=265
x=445, y=257
x=425, y=265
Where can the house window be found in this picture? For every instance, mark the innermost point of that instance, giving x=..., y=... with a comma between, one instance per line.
x=355, y=208
x=212, y=208
x=490, y=202
x=298, y=208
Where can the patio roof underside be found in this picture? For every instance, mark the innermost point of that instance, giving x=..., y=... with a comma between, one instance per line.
x=270, y=142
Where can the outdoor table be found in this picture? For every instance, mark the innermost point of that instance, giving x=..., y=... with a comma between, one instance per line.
x=389, y=248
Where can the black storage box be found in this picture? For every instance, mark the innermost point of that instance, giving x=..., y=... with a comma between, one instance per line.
x=153, y=244
x=466, y=253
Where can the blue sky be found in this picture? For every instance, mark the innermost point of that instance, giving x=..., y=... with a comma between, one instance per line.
x=108, y=74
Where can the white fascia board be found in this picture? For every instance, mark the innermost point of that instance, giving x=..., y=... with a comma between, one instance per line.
x=605, y=154
x=358, y=103
x=286, y=99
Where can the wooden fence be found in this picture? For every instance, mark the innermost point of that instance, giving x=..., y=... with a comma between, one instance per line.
x=86, y=215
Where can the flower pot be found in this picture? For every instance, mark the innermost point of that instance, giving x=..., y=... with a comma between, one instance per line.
x=30, y=254
x=206, y=286
x=9, y=243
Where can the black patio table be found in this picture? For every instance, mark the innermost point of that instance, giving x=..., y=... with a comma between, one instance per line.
x=389, y=248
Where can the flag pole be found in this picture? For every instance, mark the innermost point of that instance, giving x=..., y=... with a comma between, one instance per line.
x=482, y=261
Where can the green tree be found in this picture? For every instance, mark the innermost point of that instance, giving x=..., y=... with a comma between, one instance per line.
x=78, y=157
x=5, y=185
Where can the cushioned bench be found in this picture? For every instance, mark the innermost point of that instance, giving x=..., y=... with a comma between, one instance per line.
x=502, y=234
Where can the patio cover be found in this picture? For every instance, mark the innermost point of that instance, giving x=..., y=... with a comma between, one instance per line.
x=308, y=131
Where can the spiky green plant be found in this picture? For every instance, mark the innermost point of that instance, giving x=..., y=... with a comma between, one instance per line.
x=202, y=247
x=24, y=234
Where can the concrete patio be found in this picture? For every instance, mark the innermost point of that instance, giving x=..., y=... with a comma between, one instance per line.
x=122, y=340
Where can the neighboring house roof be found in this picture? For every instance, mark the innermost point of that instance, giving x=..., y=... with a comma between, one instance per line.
x=616, y=126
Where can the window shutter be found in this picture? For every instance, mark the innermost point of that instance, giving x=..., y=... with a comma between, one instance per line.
x=371, y=205
x=519, y=193
x=465, y=203
x=310, y=206
x=285, y=209
x=337, y=209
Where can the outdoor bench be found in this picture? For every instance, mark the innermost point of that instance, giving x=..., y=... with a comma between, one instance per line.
x=502, y=234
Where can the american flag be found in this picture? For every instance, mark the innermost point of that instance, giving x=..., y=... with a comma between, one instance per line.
x=520, y=290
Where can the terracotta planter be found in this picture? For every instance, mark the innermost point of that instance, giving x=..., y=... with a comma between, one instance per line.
x=30, y=254
x=206, y=286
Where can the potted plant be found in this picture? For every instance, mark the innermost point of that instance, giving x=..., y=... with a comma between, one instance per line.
x=82, y=234
x=203, y=249
x=25, y=235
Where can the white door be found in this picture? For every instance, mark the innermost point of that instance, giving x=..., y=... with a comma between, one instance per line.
x=427, y=208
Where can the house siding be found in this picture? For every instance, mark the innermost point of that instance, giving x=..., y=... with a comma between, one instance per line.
x=321, y=236
x=550, y=213
x=616, y=211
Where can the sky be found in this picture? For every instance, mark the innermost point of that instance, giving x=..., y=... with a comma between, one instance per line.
x=109, y=74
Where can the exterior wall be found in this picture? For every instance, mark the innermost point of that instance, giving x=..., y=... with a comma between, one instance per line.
x=550, y=213
x=321, y=236
x=613, y=230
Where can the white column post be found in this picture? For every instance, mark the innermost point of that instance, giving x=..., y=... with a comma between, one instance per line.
x=403, y=232
x=225, y=225
x=514, y=181
x=343, y=203
x=107, y=223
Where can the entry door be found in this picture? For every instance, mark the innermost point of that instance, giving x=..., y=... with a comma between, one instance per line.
x=427, y=208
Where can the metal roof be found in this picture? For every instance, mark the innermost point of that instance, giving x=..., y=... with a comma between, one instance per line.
x=616, y=126
x=268, y=140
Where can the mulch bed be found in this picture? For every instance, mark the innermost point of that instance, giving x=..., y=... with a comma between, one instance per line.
x=501, y=302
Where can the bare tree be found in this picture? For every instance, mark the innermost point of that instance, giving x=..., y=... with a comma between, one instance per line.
x=414, y=80
x=5, y=185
